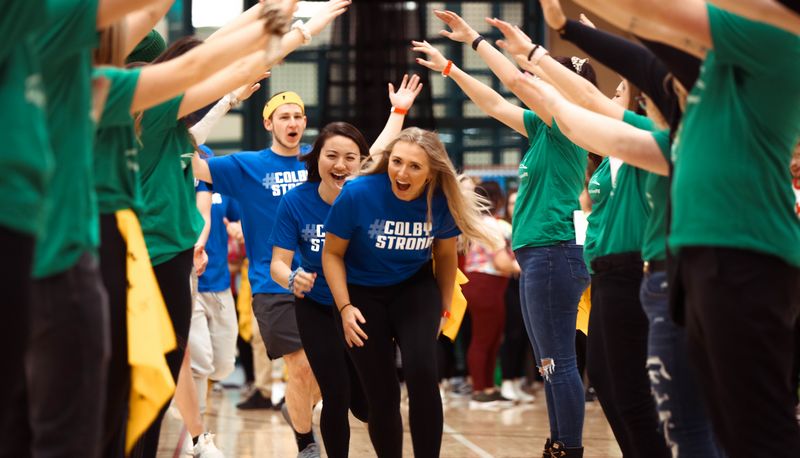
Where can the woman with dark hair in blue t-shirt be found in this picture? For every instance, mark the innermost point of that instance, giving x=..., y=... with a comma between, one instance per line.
x=380, y=235
x=337, y=155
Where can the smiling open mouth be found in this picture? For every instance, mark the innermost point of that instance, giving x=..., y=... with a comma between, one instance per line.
x=402, y=186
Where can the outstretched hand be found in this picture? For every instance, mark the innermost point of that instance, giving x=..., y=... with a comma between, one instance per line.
x=244, y=92
x=459, y=29
x=435, y=61
x=332, y=10
x=516, y=41
x=406, y=93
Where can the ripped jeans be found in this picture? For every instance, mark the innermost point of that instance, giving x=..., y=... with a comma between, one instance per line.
x=551, y=283
x=682, y=416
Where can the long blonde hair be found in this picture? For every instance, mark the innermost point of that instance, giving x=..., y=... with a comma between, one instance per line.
x=466, y=208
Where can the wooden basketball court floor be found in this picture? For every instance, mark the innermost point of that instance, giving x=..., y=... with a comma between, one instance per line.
x=517, y=431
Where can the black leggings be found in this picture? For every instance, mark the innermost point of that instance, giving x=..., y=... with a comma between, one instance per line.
x=173, y=280
x=113, y=268
x=321, y=332
x=15, y=282
x=617, y=355
x=409, y=314
x=516, y=346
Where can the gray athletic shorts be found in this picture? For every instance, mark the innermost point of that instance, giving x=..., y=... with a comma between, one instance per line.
x=277, y=324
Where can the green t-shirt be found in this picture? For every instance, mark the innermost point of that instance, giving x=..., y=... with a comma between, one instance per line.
x=116, y=148
x=71, y=225
x=599, y=189
x=617, y=219
x=26, y=157
x=654, y=247
x=731, y=183
x=170, y=220
x=551, y=178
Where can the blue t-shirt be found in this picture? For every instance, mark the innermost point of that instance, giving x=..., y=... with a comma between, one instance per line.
x=258, y=180
x=299, y=226
x=217, y=277
x=390, y=239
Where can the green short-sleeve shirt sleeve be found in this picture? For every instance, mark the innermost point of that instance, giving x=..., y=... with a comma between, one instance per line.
x=532, y=123
x=71, y=27
x=746, y=43
x=637, y=120
x=117, y=109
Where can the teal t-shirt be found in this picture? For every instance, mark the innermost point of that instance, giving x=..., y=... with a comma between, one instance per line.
x=169, y=217
x=551, y=178
x=26, y=158
x=116, y=148
x=654, y=246
x=732, y=185
x=64, y=45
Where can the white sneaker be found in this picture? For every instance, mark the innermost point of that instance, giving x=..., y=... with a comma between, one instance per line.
x=508, y=391
x=522, y=396
x=311, y=451
x=205, y=447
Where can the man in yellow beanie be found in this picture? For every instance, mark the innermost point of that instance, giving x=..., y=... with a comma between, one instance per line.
x=258, y=180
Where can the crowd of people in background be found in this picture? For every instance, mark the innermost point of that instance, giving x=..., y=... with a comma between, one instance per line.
x=648, y=257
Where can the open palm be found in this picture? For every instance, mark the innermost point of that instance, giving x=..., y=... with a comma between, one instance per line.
x=406, y=93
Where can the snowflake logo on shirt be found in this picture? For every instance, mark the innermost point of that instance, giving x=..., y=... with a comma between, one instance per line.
x=376, y=228
x=268, y=181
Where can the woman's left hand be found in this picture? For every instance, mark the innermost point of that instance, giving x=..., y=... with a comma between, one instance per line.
x=200, y=259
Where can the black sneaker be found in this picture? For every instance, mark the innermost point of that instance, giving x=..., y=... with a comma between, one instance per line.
x=590, y=394
x=501, y=400
x=481, y=401
x=256, y=401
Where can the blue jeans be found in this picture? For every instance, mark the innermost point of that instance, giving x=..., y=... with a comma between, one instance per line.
x=681, y=413
x=551, y=283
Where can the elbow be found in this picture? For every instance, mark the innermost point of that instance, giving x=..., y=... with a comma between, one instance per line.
x=516, y=82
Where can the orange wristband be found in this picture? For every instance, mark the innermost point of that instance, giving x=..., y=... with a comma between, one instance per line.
x=446, y=314
x=447, y=68
x=399, y=111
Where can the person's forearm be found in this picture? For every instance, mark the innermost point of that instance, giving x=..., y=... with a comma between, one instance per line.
x=445, y=272
x=242, y=20
x=140, y=23
x=280, y=272
x=393, y=127
x=200, y=168
x=202, y=129
x=203, y=203
x=630, y=60
x=111, y=11
x=685, y=67
x=608, y=137
x=336, y=276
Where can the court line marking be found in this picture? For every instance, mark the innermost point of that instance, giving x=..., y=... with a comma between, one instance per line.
x=466, y=442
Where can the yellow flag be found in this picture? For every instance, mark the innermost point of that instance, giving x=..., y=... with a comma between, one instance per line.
x=584, y=308
x=150, y=333
x=457, y=308
x=244, y=305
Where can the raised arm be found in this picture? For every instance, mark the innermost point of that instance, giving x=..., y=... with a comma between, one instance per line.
x=139, y=23
x=201, y=130
x=401, y=101
x=111, y=11
x=503, y=68
x=162, y=81
x=296, y=38
x=601, y=134
x=489, y=101
x=682, y=24
x=768, y=11
x=245, y=70
x=575, y=87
